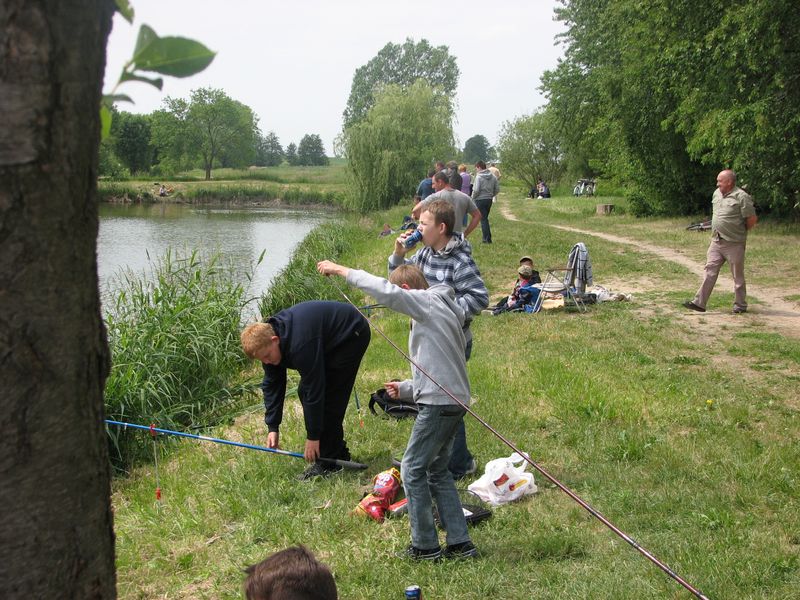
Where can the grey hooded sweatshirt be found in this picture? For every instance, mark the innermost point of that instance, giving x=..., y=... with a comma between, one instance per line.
x=486, y=186
x=436, y=341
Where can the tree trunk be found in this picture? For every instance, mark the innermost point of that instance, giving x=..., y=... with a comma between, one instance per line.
x=56, y=535
x=208, y=171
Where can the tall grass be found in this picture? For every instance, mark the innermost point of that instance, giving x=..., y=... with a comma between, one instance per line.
x=108, y=191
x=234, y=192
x=174, y=341
x=334, y=173
x=299, y=280
x=216, y=192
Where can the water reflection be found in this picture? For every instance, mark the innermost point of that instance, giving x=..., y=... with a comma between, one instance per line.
x=131, y=236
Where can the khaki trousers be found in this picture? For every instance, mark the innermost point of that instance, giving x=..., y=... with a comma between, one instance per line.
x=720, y=251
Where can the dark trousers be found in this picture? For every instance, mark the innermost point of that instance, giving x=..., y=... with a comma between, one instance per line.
x=485, y=205
x=340, y=376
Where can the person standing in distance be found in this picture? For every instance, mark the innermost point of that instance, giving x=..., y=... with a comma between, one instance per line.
x=483, y=192
x=733, y=216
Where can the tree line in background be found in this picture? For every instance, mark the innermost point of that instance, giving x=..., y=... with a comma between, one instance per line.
x=207, y=130
x=655, y=98
x=660, y=96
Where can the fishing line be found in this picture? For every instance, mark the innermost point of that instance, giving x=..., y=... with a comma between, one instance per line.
x=585, y=505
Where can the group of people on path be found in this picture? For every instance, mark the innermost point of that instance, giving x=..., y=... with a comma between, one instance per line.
x=471, y=198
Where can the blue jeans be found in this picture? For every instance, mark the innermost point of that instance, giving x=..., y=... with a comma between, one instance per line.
x=426, y=478
x=460, y=456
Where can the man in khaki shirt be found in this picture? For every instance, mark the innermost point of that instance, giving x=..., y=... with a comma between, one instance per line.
x=733, y=216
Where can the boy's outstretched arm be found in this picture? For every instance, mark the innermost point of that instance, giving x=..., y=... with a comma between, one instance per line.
x=327, y=267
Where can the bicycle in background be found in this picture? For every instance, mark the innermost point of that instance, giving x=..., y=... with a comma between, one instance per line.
x=584, y=187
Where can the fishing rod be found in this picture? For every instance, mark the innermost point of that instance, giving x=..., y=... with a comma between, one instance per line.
x=585, y=505
x=347, y=464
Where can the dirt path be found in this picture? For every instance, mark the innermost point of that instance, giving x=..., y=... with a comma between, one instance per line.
x=771, y=311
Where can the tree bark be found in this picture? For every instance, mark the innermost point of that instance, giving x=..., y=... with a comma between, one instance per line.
x=56, y=535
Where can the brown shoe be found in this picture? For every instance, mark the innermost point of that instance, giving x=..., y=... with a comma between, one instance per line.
x=692, y=306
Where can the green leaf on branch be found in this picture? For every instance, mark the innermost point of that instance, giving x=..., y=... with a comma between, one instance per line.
x=110, y=99
x=125, y=9
x=175, y=56
x=154, y=81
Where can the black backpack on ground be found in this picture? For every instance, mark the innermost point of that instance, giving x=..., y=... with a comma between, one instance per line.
x=398, y=409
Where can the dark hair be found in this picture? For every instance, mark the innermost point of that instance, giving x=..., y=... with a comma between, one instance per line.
x=441, y=176
x=291, y=574
x=480, y=164
x=442, y=212
x=431, y=172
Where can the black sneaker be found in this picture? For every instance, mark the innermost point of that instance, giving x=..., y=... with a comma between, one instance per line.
x=737, y=310
x=319, y=469
x=414, y=553
x=692, y=306
x=460, y=551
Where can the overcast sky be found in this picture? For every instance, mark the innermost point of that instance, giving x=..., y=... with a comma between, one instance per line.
x=292, y=62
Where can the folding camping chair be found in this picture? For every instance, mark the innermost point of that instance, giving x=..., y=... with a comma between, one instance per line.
x=563, y=280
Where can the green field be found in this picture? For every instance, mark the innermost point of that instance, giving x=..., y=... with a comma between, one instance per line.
x=681, y=429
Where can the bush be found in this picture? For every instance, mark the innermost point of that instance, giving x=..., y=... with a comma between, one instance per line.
x=639, y=205
x=175, y=350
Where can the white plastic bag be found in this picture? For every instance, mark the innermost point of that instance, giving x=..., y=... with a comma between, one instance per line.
x=504, y=480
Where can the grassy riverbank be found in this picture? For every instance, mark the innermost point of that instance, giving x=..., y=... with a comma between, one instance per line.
x=682, y=430
x=289, y=185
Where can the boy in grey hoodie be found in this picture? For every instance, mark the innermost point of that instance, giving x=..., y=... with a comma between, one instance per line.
x=436, y=341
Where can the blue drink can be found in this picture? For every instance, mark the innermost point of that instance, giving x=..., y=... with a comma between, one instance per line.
x=412, y=240
x=414, y=591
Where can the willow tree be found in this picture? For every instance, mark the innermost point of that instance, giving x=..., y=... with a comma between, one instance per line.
x=402, y=65
x=389, y=150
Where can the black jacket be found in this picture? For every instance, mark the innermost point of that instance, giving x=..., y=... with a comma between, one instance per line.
x=310, y=333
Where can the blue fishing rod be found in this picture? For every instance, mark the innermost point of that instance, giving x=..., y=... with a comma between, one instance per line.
x=347, y=464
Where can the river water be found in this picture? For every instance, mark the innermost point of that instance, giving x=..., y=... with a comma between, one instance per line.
x=134, y=236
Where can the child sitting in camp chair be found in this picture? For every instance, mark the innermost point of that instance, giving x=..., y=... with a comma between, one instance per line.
x=534, y=278
x=522, y=294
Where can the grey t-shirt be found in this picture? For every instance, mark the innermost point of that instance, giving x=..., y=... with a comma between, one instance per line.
x=730, y=213
x=462, y=205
